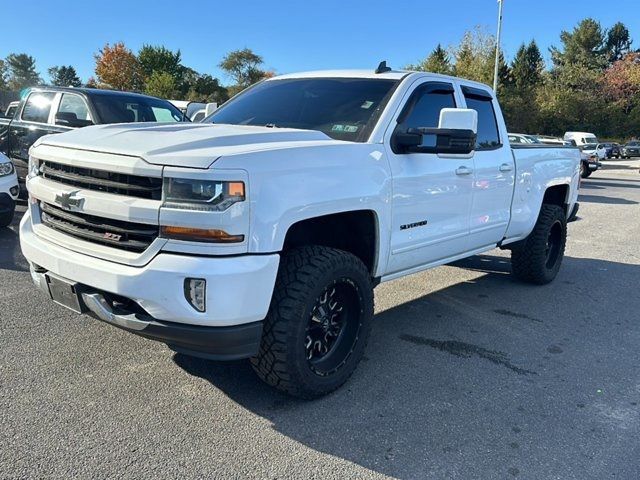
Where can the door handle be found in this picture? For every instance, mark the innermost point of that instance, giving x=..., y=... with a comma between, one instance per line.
x=505, y=167
x=462, y=170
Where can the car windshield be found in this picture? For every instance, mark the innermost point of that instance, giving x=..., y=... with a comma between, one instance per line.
x=532, y=139
x=342, y=108
x=590, y=146
x=633, y=144
x=115, y=108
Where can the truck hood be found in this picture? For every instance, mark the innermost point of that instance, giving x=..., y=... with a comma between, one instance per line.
x=182, y=145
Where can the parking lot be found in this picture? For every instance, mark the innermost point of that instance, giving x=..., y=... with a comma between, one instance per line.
x=468, y=374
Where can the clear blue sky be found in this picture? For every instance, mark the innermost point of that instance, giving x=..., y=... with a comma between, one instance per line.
x=290, y=35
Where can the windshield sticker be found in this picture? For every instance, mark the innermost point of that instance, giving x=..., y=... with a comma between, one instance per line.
x=345, y=128
x=367, y=105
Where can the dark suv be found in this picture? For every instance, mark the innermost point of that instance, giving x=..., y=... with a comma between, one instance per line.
x=631, y=149
x=45, y=110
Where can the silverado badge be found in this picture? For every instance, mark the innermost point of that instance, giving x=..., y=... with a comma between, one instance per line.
x=70, y=201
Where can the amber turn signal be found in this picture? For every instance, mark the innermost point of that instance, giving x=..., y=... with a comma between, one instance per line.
x=199, y=235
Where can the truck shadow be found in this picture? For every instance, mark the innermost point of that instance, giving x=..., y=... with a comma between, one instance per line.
x=457, y=373
x=605, y=200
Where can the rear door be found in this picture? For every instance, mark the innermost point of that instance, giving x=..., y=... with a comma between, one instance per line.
x=494, y=172
x=431, y=193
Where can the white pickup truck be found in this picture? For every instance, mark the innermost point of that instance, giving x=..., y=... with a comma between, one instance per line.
x=262, y=232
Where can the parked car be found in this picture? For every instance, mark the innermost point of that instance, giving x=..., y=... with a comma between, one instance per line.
x=631, y=149
x=46, y=110
x=549, y=140
x=612, y=150
x=596, y=149
x=522, y=139
x=262, y=233
x=589, y=163
x=11, y=110
x=578, y=139
x=8, y=191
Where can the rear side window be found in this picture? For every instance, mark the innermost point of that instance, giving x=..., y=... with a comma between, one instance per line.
x=480, y=101
x=74, y=107
x=426, y=104
x=38, y=107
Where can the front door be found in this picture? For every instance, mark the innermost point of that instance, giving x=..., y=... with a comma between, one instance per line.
x=33, y=122
x=431, y=193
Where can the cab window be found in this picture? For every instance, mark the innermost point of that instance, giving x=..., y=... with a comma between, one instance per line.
x=74, y=109
x=482, y=102
x=425, y=105
x=38, y=107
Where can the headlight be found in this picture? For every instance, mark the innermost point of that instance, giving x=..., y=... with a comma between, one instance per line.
x=34, y=166
x=6, y=169
x=203, y=195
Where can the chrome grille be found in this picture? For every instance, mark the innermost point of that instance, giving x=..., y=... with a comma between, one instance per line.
x=134, y=237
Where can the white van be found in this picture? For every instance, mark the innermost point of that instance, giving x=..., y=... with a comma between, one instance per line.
x=580, y=138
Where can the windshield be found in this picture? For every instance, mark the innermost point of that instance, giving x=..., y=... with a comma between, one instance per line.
x=589, y=146
x=132, y=108
x=342, y=108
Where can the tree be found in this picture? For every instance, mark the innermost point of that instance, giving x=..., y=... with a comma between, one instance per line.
x=117, y=67
x=3, y=75
x=621, y=82
x=160, y=59
x=584, y=46
x=527, y=66
x=475, y=58
x=438, y=61
x=618, y=42
x=160, y=84
x=243, y=66
x=64, y=76
x=22, y=71
x=207, y=89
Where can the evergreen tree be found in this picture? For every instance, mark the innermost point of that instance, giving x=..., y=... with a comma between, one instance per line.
x=64, y=76
x=22, y=71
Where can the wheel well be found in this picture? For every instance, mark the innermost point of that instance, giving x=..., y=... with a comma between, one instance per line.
x=353, y=232
x=557, y=195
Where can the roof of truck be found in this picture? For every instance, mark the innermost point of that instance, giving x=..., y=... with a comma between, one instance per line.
x=390, y=75
x=87, y=91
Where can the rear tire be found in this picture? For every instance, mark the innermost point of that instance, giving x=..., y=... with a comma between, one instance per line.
x=318, y=324
x=539, y=257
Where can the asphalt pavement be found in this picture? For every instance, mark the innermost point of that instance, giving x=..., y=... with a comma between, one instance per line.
x=468, y=374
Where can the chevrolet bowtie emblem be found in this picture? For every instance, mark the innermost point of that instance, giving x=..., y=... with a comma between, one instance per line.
x=70, y=201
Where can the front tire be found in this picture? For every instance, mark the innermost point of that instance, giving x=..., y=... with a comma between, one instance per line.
x=6, y=218
x=539, y=257
x=318, y=324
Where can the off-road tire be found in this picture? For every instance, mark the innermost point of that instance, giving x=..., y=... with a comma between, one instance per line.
x=530, y=260
x=6, y=218
x=304, y=274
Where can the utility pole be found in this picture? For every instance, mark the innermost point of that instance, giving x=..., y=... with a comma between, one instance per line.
x=495, y=71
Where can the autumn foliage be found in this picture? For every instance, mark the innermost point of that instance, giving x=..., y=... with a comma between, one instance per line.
x=118, y=67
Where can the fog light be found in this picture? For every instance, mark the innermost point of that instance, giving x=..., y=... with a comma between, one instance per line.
x=14, y=190
x=195, y=291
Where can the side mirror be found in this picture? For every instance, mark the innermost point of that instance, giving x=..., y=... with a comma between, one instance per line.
x=456, y=134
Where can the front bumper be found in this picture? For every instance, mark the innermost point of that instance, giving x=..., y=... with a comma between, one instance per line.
x=238, y=290
x=214, y=343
